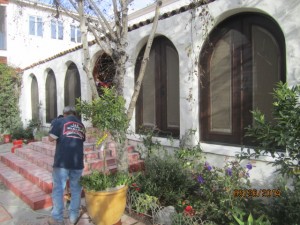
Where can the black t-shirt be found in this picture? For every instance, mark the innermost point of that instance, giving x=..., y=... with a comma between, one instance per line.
x=69, y=133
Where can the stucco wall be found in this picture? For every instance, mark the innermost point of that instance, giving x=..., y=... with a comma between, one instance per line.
x=187, y=36
x=24, y=49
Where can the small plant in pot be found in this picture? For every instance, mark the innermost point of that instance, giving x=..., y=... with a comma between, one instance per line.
x=107, y=113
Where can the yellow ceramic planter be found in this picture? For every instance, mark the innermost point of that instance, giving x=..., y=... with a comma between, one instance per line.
x=106, y=207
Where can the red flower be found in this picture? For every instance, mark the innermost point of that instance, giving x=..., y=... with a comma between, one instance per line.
x=135, y=186
x=188, y=208
x=189, y=211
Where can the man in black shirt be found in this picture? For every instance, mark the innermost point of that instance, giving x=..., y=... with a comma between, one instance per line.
x=69, y=133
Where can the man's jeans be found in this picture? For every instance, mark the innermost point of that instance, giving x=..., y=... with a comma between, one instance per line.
x=60, y=177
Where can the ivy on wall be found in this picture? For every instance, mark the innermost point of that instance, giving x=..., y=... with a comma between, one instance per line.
x=10, y=84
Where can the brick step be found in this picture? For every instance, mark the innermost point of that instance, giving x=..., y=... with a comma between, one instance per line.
x=48, y=148
x=27, y=191
x=90, y=151
x=35, y=157
x=46, y=162
x=35, y=174
x=45, y=148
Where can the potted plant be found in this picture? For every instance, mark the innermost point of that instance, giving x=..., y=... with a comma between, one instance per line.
x=6, y=137
x=104, y=189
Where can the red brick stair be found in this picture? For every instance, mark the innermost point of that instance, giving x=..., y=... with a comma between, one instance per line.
x=27, y=171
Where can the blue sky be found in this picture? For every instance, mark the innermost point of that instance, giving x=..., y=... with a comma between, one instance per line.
x=139, y=4
x=135, y=5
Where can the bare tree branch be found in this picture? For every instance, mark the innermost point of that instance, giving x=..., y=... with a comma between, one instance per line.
x=117, y=18
x=103, y=44
x=145, y=60
x=87, y=60
x=102, y=20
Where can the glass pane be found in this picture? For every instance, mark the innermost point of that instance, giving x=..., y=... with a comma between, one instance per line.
x=266, y=69
x=72, y=33
x=53, y=29
x=149, y=118
x=78, y=35
x=2, y=28
x=220, y=86
x=72, y=85
x=172, y=87
x=39, y=27
x=60, y=31
x=32, y=25
x=51, y=99
x=34, y=98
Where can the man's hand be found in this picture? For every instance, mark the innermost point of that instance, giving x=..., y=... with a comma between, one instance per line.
x=51, y=138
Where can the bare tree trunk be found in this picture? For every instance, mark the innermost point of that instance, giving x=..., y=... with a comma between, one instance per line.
x=86, y=52
x=145, y=60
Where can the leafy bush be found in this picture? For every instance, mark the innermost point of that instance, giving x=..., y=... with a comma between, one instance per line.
x=280, y=139
x=22, y=133
x=213, y=195
x=9, y=98
x=107, y=112
x=281, y=134
x=239, y=220
x=165, y=179
x=98, y=181
x=28, y=132
x=284, y=210
x=194, y=187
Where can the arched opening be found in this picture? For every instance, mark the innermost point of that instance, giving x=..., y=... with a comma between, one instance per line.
x=72, y=85
x=241, y=62
x=104, y=72
x=158, y=102
x=35, y=115
x=51, y=97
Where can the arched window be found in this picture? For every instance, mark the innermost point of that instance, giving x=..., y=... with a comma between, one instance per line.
x=72, y=85
x=104, y=72
x=34, y=98
x=240, y=64
x=158, y=103
x=51, y=97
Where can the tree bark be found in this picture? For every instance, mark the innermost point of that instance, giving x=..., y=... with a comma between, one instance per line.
x=145, y=60
x=86, y=52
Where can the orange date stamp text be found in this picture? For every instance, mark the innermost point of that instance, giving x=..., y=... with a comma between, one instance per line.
x=253, y=193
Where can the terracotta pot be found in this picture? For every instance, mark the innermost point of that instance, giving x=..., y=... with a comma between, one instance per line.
x=106, y=207
x=6, y=138
x=18, y=142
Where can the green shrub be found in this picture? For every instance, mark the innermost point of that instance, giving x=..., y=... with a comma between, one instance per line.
x=284, y=210
x=165, y=179
x=280, y=139
x=194, y=187
x=241, y=220
x=22, y=133
x=280, y=135
x=99, y=181
x=9, y=98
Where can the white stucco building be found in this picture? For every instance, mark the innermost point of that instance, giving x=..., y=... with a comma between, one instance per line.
x=30, y=32
x=210, y=65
